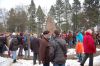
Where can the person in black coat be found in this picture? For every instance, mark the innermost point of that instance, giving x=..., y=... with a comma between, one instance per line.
x=3, y=42
x=34, y=45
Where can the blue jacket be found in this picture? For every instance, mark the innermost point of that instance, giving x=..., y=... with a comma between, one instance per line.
x=79, y=37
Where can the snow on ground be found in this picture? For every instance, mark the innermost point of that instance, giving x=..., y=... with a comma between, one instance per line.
x=70, y=51
x=21, y=62
x=98, y=49
x=5, y=61
x=69, y=62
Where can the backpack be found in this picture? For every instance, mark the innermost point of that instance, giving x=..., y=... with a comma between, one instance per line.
x=53, y=54
x=15, y=41
x=25, y=43
x=20, y=40
x=14, y=44
x=62, y=48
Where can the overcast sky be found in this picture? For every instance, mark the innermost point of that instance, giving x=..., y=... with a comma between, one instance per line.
x=45, y=4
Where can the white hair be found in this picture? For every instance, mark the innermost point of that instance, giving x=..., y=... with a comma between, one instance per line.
x=35, y=35
x=90, y=31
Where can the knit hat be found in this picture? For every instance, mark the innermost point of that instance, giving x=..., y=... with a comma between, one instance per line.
x=89, y=31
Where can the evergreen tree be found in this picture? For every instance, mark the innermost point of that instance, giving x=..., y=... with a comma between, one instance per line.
x=59, y=10
x=16, y=21
x=2, y=28
x=67, y=12
x=21, y=21
x=65, y=27
x=10, y=21
x=40, y=18
x=40, y=15
x=32, y=16
x=67, y=9
x=76, y=9
x=91, y=8
x=52, y=12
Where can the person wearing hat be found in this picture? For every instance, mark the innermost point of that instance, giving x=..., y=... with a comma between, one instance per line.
x=89, y=47
x=14, y=47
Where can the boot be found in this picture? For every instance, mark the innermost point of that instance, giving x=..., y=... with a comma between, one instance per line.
x=81, y=65
x=14, y=61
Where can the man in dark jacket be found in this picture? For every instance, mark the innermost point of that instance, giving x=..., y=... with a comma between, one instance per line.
x=14, y=47
x=21, y=44
x=34, y=45
x=58, y=50
x=44, y=49
x=3, y=43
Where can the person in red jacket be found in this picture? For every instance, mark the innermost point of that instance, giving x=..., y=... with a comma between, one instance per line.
x=89, y=47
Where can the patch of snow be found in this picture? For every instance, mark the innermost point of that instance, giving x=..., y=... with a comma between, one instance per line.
x=71, y=52
x=21, y=62
x=97, y=49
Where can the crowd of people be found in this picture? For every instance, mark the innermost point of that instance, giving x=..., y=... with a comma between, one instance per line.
x=49, y=47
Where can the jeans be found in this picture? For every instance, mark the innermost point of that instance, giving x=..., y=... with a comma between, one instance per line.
x=70, y=44
x=58, y=64
x=90, y=56
x=14, y=55
x=20, y=50
x=26, y=53
x=46, y=64
x=80, y=57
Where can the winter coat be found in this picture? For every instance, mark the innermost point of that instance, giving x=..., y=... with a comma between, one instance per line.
x=70, y=37
x=20, y=40
x=13, y=44
x=1, y=41
x=2, y=44
x=79, y=37
x=56, y=52
x=25, y=44
x=79, y=47
x=98, y=36
x=44, y=51
x=34, y=44
x=89, y=44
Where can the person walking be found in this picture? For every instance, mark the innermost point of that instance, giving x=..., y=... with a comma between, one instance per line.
x=34, y=45
x=44, y=49
x=89, y=47
x=70, y=39
x=25, y=44
x=79, y=50
x=79, y=46
x=20, y=42
x=58, y=50
x=14, y=47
